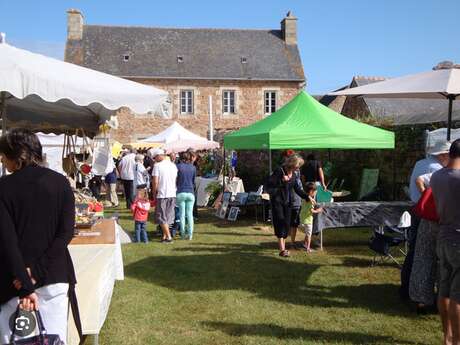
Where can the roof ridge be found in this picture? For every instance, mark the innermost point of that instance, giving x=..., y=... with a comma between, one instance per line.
x=175, y=28
x=369, y=77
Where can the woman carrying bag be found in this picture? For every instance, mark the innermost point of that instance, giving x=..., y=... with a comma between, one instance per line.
x=37, y=218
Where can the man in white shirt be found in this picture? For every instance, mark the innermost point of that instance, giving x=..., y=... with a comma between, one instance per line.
x=126, y=169
x=164, y=189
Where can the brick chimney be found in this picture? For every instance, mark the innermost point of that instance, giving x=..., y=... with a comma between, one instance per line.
x=289, y=28
x=74, y=25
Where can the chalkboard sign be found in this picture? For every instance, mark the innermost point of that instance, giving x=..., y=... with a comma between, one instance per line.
x=369, y=182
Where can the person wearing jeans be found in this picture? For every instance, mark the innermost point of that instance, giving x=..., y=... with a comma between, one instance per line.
x=140, y=208
x=185, y=198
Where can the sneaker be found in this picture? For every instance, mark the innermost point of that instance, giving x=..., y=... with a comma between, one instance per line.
x=168, y=241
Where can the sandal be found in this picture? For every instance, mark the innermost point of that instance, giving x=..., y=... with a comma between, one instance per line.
x=284, y=253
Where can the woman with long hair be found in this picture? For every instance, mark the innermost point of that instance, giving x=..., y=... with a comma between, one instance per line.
x=282, y=186
x=186, y=173
x=37, y=218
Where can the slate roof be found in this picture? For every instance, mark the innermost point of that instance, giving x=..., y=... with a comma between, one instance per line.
x=206, y=53
x=401, y=111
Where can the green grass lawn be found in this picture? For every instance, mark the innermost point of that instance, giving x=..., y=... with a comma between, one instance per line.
x=228, y=286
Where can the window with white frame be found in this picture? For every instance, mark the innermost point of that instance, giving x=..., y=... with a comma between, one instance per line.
x=186, y=102
x=229, y=102
x=270, y=102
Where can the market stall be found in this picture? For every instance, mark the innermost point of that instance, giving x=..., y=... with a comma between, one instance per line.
x=53, y=96
x=304, y=123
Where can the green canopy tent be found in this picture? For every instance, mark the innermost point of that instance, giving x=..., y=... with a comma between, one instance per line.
x=304, y=123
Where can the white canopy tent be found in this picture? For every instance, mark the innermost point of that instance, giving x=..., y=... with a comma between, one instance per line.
x=443, y=83
x=49, y=95
x=176, y=138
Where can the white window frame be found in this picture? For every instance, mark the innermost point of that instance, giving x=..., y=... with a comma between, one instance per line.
x=187, y=101
x=226, y=108
x=272, y=96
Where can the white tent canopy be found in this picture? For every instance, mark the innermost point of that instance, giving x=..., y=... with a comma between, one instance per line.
x=50, y=95
x=176, y=138
x=437, y=84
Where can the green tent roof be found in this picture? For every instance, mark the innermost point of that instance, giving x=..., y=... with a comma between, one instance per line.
x=304, y=123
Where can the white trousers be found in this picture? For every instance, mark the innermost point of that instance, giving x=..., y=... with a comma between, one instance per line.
x=53, y=304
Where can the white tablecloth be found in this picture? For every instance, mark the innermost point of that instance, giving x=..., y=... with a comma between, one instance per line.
x=97, y=266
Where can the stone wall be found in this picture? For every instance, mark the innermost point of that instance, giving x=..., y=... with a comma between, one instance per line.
x=249, y=106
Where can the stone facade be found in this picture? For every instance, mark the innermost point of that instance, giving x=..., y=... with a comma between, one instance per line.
x=249, y=106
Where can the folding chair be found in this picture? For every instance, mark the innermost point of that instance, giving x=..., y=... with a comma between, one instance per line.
x=402, y=230
x=382, y=245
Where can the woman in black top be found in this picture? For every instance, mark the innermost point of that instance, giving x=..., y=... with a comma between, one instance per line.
x=37, y=217
x=282, y=185
x=312, y=171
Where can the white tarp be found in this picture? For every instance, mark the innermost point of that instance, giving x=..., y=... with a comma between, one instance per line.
x=439, y=135
x=50, y=95
x=176, y=138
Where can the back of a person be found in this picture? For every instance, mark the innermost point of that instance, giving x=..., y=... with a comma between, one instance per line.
x=167, y=174
x=446, y=191
x=310, y=171
x=186, y=173
x=34, y=196
x=127, y=165
x=422, y=167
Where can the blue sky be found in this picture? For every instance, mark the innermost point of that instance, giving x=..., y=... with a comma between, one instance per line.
x=337, y=39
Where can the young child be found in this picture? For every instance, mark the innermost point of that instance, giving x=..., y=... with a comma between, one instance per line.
x=306, y=214
x=140, y=208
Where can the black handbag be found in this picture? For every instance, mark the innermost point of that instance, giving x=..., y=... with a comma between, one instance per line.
x=42, y=339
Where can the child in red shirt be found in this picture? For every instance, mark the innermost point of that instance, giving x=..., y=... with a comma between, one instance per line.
x=140, y=208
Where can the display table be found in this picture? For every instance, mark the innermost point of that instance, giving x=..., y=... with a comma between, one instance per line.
x=97, y=266
x=202, y=197
x=358, y=214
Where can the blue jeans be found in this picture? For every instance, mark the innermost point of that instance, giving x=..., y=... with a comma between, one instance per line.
x=139, y=227
x=185, y=201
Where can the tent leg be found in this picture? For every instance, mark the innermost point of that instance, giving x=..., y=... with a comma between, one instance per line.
x=223, y=174
x=270, y=161
x=3, y=114
x=449, y=119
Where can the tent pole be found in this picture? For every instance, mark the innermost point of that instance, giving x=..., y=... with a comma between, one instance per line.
x=3, y=114
x=449, y=120
x=270, y=161
x=223, y=174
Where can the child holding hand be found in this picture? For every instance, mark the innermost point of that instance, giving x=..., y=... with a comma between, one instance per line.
x=306, y=214
x=140, y=208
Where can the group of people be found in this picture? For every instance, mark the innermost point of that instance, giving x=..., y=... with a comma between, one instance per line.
x=163, y=181
x=292, y=188
x=431, y=271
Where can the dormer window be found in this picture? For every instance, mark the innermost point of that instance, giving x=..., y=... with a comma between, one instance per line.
x=126, y=57
x=180, y=59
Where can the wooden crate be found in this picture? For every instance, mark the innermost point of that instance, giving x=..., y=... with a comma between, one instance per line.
x=107, y=229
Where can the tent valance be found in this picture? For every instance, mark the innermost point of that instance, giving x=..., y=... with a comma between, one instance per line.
x=304, y=123
x=45, y=94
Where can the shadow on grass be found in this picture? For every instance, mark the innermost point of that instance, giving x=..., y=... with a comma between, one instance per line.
x=351, y=261
x=282, y=333
x=242, y=267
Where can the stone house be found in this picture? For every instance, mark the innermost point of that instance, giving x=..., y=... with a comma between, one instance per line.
x=244, y=74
